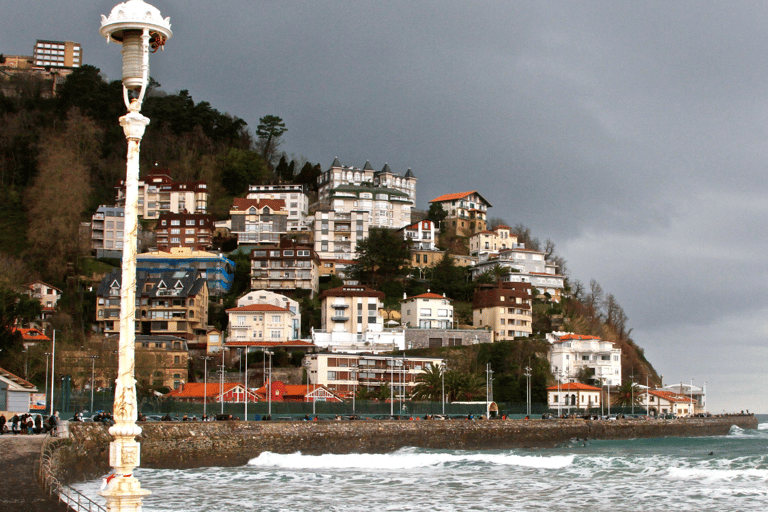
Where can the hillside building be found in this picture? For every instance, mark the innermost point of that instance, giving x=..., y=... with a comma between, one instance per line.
x=258, y=221
x=287, y=268
x=573, y=355
x=292, y=195
x=467, y=212
x=216, y=269
x=505, y=309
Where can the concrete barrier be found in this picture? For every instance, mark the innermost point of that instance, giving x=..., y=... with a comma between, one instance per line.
x=184, y=445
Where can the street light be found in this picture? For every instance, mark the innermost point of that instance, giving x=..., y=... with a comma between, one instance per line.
x=46, y=374
x=528, y=390
x=488, y=384
x=205, y=385
x=53, y=374
x=269, y=384
x=353, y=374
x=137, y=26
x=443, y=369
x=93, y=366
x=308, y=364
x=632, y=393
x=246, y=385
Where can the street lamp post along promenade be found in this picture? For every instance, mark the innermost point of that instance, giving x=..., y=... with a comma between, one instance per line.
x=138, y=26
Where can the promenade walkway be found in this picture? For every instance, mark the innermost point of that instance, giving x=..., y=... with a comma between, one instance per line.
x=18, y=482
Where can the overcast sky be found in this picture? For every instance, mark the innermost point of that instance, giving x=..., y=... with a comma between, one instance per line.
x=633, y=134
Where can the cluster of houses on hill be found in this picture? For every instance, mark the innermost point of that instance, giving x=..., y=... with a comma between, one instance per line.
x=292, y=243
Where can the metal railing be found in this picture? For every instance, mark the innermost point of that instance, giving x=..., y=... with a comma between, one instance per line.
x=72, y=498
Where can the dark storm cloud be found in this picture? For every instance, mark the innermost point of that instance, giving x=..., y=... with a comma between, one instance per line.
x=631, y=133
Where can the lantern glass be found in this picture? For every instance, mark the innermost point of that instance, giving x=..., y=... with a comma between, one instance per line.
x=133, y=58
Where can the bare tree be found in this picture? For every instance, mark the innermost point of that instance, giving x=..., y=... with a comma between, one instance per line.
x=60, y=194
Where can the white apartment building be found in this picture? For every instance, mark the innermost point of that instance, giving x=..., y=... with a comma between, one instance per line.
x=343, y=373
x=427, y=311
x=260, y=322
x=296, y=201
x=159, y=194
x=341, y=175
x=525, y=266
x=570, y=353
x=274, y=299
x=485, y=243
x=337, y=233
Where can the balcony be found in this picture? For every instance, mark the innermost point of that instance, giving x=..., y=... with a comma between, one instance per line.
x=339, y=318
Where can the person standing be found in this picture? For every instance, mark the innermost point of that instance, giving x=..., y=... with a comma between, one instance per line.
x=2, y=424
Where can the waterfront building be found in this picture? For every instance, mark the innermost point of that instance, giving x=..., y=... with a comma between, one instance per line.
x=192, y=230
x=699, y=393
x=505, y=308
x=282, y=392
x=427, y=311
x=663, y=401
x=213, y=392
x=288, y=268
x=572, y=356
x=467, y=212
x=343, y=373
x=216, y=269
x=15, y=393
x=292, y=195
x=573, y=395
x=351, y=309
x=257, y=221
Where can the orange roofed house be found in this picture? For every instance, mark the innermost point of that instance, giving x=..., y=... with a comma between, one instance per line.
x=573, y=395
x=198, y=392
x=467, y=212
x=282, y=392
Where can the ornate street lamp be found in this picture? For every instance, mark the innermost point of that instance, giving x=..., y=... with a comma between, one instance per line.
x=138, y=26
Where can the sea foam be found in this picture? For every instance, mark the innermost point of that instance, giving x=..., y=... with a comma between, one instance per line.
x=406, y=459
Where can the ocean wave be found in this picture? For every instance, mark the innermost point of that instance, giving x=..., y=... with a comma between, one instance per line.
x=705, y=475
x=406, y=459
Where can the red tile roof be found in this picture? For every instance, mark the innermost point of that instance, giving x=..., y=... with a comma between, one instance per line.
x=242, y=204
x=31, y=334
x=200, y=389
x=569, y=337
x=670, y=396
x=573, y=386
x=427, y=296
x=259, y=308
x=452, y=197
x=294, y=343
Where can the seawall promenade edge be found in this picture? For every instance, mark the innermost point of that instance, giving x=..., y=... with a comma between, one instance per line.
x=184, y=445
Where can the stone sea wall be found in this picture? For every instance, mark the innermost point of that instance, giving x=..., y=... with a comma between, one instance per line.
x=232, y=443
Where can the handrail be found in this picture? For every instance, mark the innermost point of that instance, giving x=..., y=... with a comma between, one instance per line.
x=72, y=498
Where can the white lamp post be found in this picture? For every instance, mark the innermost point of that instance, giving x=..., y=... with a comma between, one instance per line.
x=137, y=26
x=443, y=369
x=46, y=374
x=205, y=386
x=269, y=384
x=528, y=390
x=53, y=373
x=93, y=367
x=632, y=393
x=353, y=374
x=245, y=418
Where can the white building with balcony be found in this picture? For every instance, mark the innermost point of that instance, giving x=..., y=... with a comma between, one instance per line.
x=260, y=322
x=427, y=311
x=343, y=373
x=570, y=354
x=296, y=201
x=275, y=299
